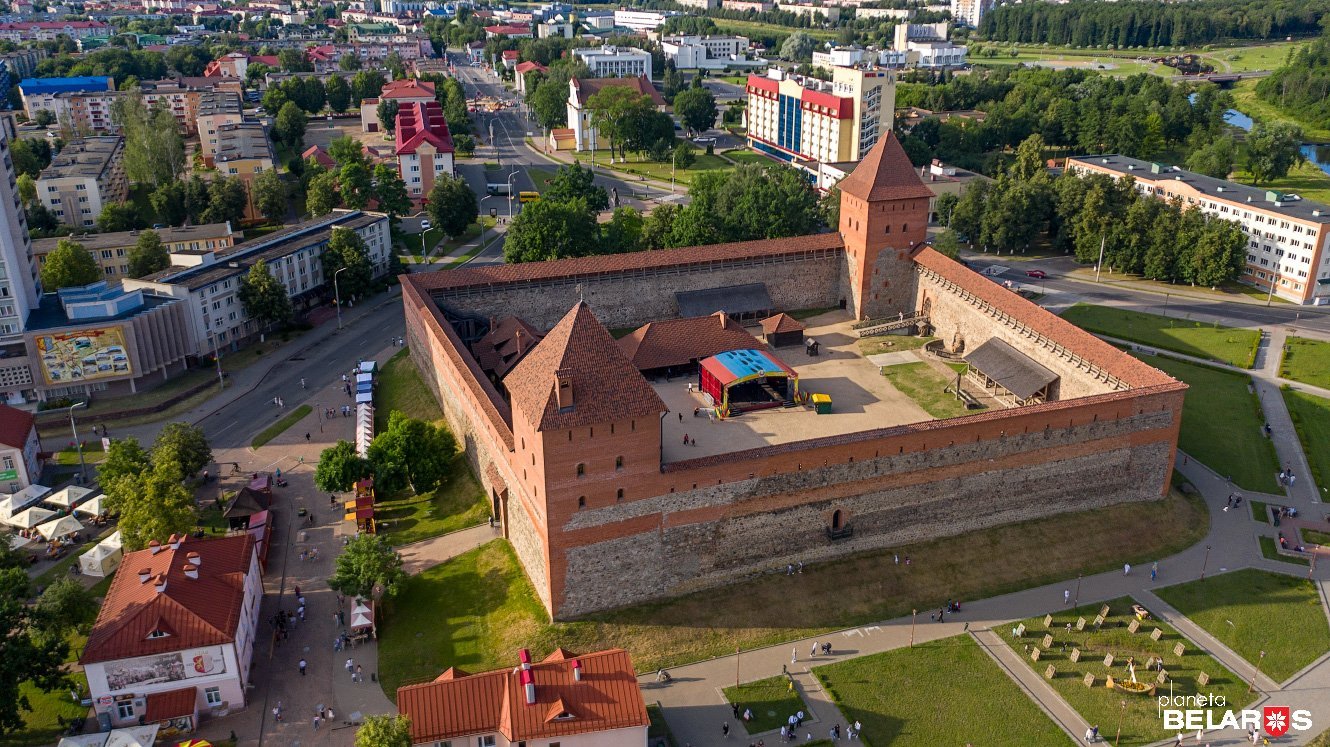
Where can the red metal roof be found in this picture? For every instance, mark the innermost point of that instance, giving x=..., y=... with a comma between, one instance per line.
x=588, y=87
x=509, y=30
x=196, y=612
x=605, y=699
x=528, y=66
x=419, y=123
x=15, y=426
x=836, y=106
x=408, y=88
x=763, y=83
x=170, y=704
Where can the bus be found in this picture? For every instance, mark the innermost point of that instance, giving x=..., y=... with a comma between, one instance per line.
x=525, y=197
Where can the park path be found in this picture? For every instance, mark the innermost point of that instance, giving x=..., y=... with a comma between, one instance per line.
x=427, y=553
x=695, y=708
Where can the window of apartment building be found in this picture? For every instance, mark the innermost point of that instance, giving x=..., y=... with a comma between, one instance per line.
x=9, y=462
x=109, y=270
x=484, y=741
x=84, y=198
x=125, y=709
x=119, y=252
x=106, y=254
x=59, y=213
x=232, y=170
x=81, y=187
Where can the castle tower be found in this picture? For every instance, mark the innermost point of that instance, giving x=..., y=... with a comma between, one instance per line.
x=586, y=429
x=883, y=217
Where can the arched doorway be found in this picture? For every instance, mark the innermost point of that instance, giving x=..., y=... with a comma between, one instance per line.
x=835, y=520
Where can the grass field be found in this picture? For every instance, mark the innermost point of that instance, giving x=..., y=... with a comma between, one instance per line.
x=476, y=610
x=456, y=504
x=92, y=453
x=746, y=156
x=1307, y=361
x=638, y=164
x=1311, y=418
x=1246, y=101
x=1238, y=608
x=757, y=27
x=402, y=389
x=921, y=383
x=891, y=343
x=1099, y=705
x=771, y=700
x=1233, y=444
x=1315, y=537
x=1236, y=347
x=276, y=429
x=49, y=712
x=1270, y=551
x=1260, y=511
x=911, y=696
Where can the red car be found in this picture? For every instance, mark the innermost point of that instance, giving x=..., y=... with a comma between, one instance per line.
x=1039, y=274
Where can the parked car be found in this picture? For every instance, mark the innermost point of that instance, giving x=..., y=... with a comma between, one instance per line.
x=425, y=225
x=1037, y=274
x=704, y=140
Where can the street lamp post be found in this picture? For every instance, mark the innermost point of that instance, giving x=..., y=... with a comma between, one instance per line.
x=511, y=176
x=913, y=615
x=1121, y=713
x=337, y=293
x=217, y=356
x=1256, y=671
x=673, y=166
x=1100, y=264
x=1205, y=562
x=83, y=467
x=1077, y=601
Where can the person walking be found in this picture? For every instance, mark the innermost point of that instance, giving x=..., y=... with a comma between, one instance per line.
x=1066, y=596
x=360, y=674
x=794, y=656
x=351, y=668
x=1126, y=569
x=277, y=712
x=725, y=730
x=306, y=437
x=315, y=721
x=1154, y=570
x=303, y=664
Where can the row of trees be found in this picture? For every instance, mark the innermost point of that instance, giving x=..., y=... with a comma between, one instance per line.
x=1302, y=85
x=146, y=487
x=1160, y=240
x=1127, y=25
x=352, y=182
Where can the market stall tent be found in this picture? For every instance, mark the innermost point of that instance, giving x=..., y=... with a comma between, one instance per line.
x=61, y=527
x=67, y=497
x=91, y=508
x=30, y=518
x=103, y=558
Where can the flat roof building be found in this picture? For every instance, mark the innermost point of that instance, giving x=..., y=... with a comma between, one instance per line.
x=111, y=250
x=85, y=177
x=615, y=62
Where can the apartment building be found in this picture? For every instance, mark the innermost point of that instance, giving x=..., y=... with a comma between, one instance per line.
x=642, y=20
x=615, y=62
x=209, y=280
x=927, y=45
x=215, y=109
x=1286, y=235
x=40, y=93
x=790, y=117
x=243, y=150
x=111, y=250
x=180, y=98
x=690, y=52
x=830, y=13
x=404, y=92
x=756, y=6
x=20, y=283
x=423, y=147
x=970, y=12
x=22, y=31
x=700, y=4
x=85, y=177
x=17, y=65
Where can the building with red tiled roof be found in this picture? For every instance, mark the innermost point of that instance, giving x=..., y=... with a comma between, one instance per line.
x=512, y=32
x=20, y=450
x=782, y=329
x=581, y=89
x=567, y=699
x=504, y=346
x=521, y=70
x=320, y=156
x=423, y=146
x=175, y=636
x=405, y=92
x=582, y=461
x=674, y=346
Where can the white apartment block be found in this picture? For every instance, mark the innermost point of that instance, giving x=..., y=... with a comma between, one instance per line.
x=692, y=52
x=615, y=62
x=830, y=12
x=1286, y=235
x=642, y=20
x=794, y=118
x=970, y=12
x=700, y=4
x=85, y=177
x=20, y=284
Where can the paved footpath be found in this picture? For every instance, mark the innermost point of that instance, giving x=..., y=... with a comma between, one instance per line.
x=695, y=708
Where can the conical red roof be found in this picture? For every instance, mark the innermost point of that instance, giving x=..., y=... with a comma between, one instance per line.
x=885, y=174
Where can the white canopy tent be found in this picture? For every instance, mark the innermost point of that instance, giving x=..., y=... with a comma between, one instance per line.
x=63, y=526
x=26, y=497
x=67, y=497
x=17, y=540
x=30, y=518
x=104, y=558
x=362, y=616
x=92, y=507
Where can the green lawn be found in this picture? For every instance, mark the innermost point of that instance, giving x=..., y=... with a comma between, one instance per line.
x=639, y=164
x=771, y=700
x=48, y=716
x=911, y=696
x=1099, y=705
x=276, y=429
x=921, y=383
x=92, y=453
x=1260, y=511
x=1246, y=101
x=1311, y=418
x=1251, y=600
x=747, y=156
x=476, y=610
x=1236, y=347
x=1270, y=551
x=1314, y=537
x=891, y=343
x=1233, y=444
x=456, y=504
x=402, y=389
x=757, y=27
x=1307, y=361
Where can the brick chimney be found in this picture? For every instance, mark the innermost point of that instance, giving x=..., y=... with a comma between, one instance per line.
x=563, y=391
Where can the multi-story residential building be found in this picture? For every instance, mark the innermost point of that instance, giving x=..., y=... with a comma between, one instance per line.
x=178, y=96
x=175, y=636
x=404, y=92
x=791, y=118
x=209, y=281
x=236, y=65
x=1287, y=236
x=243, y=150
x=581, y=89
x=87, y=113
x=970, y=12
x=829, y=13
x=215, y=109
x=548, y=29
x=615, y=62
x=756, y=6
x=511, y=31
x=40, y=93
x=423, y=146
x=328, y=57
x=111, y=250
x=17, y=65
x=20, y=450
x=522, y=70
x=86, y=176
x=899, y=14
x=20, y=283
x=692, y=52
x=22, y=31
x=642, y=20
x=926, y=45
x=700, y=4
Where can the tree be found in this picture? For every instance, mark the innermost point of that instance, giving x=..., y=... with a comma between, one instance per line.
x=412, y=453
x=188, y=60
x=1272, y=150
x=391, y=191
x=270, y=195
x=349, y=62
x=27, y=189
x=182, y=444
x=623, y=232
x=264, y=297
x=66, y=604
x=683, y=156
x=753, y=201
x=69, y=265
x=152, y=505
x=347, y=150
x=118, y=216
x=367, y=562
x=946, y=203
x=289, y=127
x=29, y=653
x=384, y=731
x=43, y=118
x=618, y=114
x=696, y=108
x=125, y=457
x=154, y=151
x=340, y=467
x=168, y=201
x=552, y=229
x=671, y=83
x=294, y=61
x=196, y=198
x=30, y=156
x=1215, y=158
x=366, y=84
x=148, y=255
x=387, y=113
x=227, y=201
x=338, y=93
x=797, y=46
x=549, y=102
x=659, y=226
x=572, y=182
x=355, y=185
x=346, y=250
x=453, y=205
x=321, y=196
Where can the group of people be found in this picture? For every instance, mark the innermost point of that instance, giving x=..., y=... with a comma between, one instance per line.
x=1286, y=477
x=1234, y=500
x=1284, y=545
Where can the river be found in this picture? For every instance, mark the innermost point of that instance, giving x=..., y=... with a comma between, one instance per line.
x=1317, y=155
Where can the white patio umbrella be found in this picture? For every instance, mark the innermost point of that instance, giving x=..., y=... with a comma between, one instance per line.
x=92, y=507
x=67, y=497
x=17, y=540
x=30, y=518
x=65, y=526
